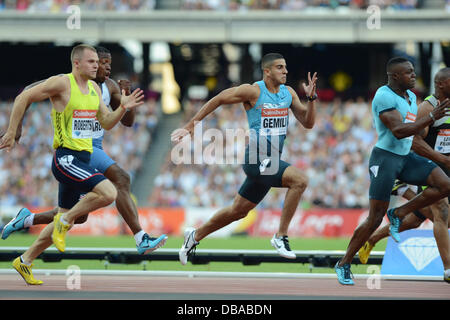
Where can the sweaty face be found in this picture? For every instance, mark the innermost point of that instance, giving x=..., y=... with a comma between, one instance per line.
x=444, y=85
x=88, y=64
x=104, y=67
x=406, y=76
x=278, y=71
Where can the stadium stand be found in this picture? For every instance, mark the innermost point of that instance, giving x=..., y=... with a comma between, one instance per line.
x=217, y=5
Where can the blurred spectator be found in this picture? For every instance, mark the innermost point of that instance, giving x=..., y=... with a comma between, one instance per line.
x=334, y=155
x=215, y=5
x=25, y=172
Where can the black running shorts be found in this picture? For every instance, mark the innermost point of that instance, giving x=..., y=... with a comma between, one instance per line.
x=385, y=167
x=262, y=176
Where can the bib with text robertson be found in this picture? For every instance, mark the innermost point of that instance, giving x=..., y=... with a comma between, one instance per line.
x=83, y=123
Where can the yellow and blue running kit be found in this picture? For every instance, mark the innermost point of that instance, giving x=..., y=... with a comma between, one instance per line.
x=73, y=145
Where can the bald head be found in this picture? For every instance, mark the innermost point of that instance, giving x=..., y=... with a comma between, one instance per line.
x=442, y=75
x=442, y=83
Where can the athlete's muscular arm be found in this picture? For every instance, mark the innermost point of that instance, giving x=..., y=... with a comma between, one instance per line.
x=306, y=115
x=393, y=121
x=46, y=89
x=109, y=119
x=115, y=89
x=420, y=146
x=241, y=94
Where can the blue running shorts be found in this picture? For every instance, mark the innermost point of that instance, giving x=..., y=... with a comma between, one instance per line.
x=100, y=160
x=74, y=174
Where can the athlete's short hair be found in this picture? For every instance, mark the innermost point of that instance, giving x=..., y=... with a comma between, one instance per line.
x=102, y=50
x=442, y=74
x=269, y=58
x=78, y=50
x=393, y=62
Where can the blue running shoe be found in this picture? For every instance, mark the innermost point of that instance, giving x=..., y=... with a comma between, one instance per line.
x=395, y=223
x=344, y=274
x=16, y=223
x=148, y=244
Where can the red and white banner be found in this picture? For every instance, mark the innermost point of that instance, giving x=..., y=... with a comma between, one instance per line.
x=107, y=221
x=310, y=223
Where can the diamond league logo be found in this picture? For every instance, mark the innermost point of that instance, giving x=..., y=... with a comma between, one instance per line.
x=420, y=251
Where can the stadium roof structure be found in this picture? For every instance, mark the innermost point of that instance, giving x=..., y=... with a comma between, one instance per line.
x=234, y=27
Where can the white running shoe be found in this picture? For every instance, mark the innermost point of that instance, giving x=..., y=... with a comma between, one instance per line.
x=188, y=245
x=447, y=275
x=282, y=246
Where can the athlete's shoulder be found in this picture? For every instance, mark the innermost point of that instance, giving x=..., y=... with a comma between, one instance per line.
x=94, y=84
x=290, y=89
x=56, y=84
x=383, y=94
x=250, y=89
x=34, y=84
x=384, y=91
x=112, y=85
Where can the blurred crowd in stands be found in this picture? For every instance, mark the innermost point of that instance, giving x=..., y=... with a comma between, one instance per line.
x=25, y=172
x=334, y=155
x=234, y=5
x=217, y=5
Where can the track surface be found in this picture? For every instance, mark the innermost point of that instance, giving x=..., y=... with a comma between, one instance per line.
x=198, y=288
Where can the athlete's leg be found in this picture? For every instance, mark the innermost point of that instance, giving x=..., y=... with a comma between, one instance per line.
x=103, y=194
x=238, y=210
x=377, y=210
x=43, y=241
x=440, y=230
x=125, y=205
x=411, y=221
x=45, y=217
x=439, y=188
x=296, y=182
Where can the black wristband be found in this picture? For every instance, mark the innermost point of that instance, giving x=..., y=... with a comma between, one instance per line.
x=312, y=98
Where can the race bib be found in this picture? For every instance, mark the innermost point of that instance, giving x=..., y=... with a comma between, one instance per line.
x=83, y=123
x=97, y=130
x=442, y=144
x=274, y=122
x=410, y=118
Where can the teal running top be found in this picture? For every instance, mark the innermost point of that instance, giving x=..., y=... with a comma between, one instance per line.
x=386, y=100
x=268, y=120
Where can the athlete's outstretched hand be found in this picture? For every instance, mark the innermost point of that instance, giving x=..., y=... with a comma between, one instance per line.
x=442, y=109
x=310, y=89
x=179, y=134
x=18, y=133
x=7, y=141
x=135, y=99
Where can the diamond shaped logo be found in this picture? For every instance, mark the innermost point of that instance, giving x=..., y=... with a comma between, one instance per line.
x=374, y=170
x=420, y=251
